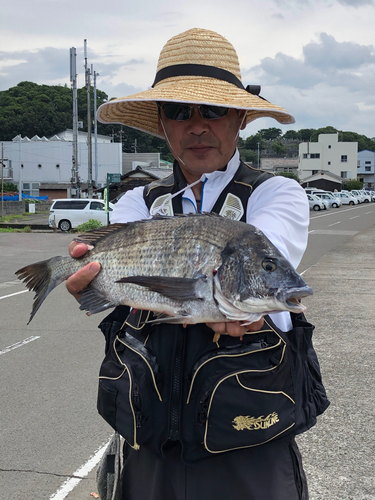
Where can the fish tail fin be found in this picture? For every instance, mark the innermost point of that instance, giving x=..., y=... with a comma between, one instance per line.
x=41, y=279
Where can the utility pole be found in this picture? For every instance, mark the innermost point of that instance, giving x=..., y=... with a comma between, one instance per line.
x=73, y=79
x=89, y=142
x=96, y=132
x=258, y=157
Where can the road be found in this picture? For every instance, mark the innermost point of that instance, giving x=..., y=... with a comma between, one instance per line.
x=50, y=430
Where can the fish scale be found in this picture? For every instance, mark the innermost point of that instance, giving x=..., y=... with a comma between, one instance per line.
x=187, y=269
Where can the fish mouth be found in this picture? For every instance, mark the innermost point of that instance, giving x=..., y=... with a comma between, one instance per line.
x=292, y=297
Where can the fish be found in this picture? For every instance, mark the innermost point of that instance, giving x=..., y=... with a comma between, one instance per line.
x=194, y=268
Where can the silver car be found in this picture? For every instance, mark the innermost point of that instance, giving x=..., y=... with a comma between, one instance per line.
x=346, y=198
x=315, y=203
x=332, y=200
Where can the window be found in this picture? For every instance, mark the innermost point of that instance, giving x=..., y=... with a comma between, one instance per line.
x=30, y=188
x=96, y=205
x=344, y=175
x=70, y=205
x=57, y=165
x=329, y=147
x=39, y=165
x=312, y=155
x=367, y=162
x=329, y=163
x=344, y=158
x=314, y=172
x=368, y=169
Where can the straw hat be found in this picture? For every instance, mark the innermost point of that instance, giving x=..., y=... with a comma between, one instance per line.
x=197, y=66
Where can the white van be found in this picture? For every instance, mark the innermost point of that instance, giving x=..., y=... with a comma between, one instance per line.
x=67, y=213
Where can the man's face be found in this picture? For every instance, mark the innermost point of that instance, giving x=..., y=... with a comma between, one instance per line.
x=201, y=145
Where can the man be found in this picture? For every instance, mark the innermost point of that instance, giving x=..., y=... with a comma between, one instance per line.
x=204, y=420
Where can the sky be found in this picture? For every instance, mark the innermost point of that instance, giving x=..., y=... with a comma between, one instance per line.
x=316, y=58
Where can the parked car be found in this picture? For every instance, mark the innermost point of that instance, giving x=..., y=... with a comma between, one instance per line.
x=68, y=213
x=315, y=203
x=332, y=200
x=358, y=194
x=366, y=195
x=346, y=198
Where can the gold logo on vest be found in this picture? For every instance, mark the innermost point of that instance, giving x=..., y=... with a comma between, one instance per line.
x=242, y=423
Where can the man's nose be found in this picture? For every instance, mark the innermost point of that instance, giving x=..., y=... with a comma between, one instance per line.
x=197, y=124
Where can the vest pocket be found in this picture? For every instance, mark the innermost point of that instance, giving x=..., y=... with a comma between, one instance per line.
x=128, y=389
x=242, y=395
x=234, y=414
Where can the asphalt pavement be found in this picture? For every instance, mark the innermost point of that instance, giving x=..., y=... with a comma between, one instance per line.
x=339, y=452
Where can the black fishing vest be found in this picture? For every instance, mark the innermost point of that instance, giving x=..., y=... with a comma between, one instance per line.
x=161, y=383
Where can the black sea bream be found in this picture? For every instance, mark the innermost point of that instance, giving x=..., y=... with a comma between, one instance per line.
x=194, y=268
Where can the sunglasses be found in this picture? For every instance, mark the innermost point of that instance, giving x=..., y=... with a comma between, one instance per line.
x=181, y=112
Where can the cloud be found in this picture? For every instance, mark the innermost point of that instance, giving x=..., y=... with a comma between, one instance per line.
x=330, y=84
x=294, y=4
x=41, y=66
x=356, y=3
x=51, y=66
x=341, y=55
x=345, y=64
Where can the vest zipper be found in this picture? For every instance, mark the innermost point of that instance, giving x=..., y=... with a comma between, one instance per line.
x=174, y=430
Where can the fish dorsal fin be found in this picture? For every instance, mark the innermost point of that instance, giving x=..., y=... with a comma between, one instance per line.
x=92, y=237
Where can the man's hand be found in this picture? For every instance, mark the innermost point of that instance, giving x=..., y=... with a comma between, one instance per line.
x=79, y=280
x=234, y=328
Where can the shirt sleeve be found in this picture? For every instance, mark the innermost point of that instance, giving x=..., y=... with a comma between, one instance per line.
x=130, y=207
x=280, y=209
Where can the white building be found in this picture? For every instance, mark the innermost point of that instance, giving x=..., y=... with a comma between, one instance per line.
x=366, y=168
x=41, y=164
x=328, y=154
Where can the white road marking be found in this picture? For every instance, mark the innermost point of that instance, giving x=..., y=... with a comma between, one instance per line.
x=83, y=471
x=366, y=213
x=18, y=344
x=334, y=232
x=356, y=217
x=8, y=284
x=12, y=294
x=334, y=224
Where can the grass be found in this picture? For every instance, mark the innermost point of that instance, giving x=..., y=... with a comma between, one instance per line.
x=26, y=229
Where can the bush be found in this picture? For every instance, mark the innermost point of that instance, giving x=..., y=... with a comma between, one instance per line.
x=89, y=226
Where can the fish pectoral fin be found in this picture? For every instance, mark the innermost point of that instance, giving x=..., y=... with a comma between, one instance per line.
x=93, y=302
x=171, y=287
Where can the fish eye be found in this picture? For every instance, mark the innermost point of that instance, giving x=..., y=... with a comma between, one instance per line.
x=269, y=265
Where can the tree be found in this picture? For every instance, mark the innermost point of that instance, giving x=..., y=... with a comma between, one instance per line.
x=249, y=156
x=305, y=133
x=278, y=148
x=292, y=135
x=270, y=134
x=252, y=142
x=325, y=130
x=350, y=184
x=10, y=187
